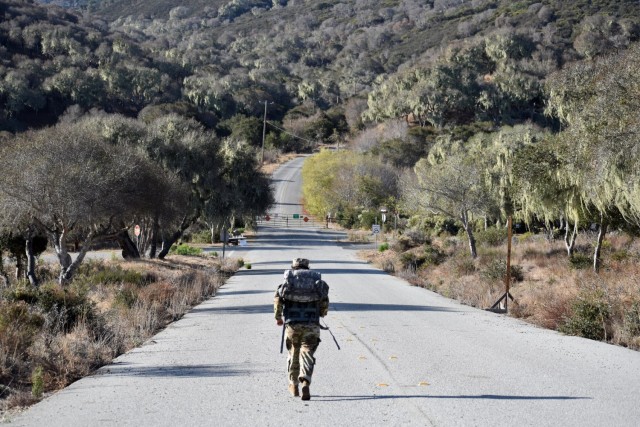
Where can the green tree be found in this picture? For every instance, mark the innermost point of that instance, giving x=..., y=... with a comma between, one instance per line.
x=449, y=183
x=65, y=179
x=597, y=103
x=184, y=147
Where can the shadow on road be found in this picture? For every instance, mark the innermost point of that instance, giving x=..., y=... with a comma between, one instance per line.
x=338, y=307
x=426, y=396
x=312, y=262
x=188, y=371
x=324, y=271
x=260, y=248
x=223, y=293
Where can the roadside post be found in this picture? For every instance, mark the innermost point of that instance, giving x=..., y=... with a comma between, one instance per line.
x=224, y=236
x=497, y=307
x=136, y=231
x=375, y=229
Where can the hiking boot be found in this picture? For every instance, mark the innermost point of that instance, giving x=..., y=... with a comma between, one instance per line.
x=306, y=393
x=293, y=389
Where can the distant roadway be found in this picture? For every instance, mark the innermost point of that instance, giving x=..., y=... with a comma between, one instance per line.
x=408, y=356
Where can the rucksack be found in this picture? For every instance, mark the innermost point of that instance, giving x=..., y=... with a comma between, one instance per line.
x=303, y=286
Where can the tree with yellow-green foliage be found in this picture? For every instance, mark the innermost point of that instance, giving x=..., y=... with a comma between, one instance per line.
x=344, y=183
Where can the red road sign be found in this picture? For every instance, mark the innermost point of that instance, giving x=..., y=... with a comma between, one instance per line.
x=136, y=230
x=306, y=219
x=267, y=218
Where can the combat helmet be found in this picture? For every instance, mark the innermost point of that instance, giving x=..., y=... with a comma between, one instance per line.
x=298, y=263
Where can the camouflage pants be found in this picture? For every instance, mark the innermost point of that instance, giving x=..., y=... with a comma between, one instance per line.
x=302, y=342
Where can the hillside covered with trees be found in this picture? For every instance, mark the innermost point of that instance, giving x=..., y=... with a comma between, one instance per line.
x=454, y=115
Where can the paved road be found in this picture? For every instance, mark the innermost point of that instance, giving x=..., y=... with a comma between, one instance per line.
x=409, y=357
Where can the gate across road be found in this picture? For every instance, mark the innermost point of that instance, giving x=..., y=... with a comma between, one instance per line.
x=275, y=219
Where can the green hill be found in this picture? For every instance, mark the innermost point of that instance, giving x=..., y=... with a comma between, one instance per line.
x=225, y=58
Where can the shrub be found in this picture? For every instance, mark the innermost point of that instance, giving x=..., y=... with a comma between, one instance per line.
x=402, y=244
x=525, y=236
x=22, y=292
x=126, y=296
x=416, y=237
x=388, y=265
x=492, y=236
x=497, y=270
x=447, y=226
x=184, y=249
x=589, y=316
x=383, y=247
x=580, y=261
x=464, y=266
x=433, y=256
x=203, y=236
x=37, y=382
x=631, y=321
x=116, y=275
x=411, y=260
x=18, y=325
x=247, y=266
x=66, y=305
x=620, y=255
x=157, y=293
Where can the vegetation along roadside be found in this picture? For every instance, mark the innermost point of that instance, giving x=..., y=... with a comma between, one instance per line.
x=53, y=335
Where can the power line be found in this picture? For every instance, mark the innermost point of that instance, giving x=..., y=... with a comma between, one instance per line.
x=289, y=133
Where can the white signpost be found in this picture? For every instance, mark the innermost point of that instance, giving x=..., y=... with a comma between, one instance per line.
x=375, y=229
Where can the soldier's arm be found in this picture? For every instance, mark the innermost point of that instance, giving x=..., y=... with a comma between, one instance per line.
x=324, y=307
x=277, y=305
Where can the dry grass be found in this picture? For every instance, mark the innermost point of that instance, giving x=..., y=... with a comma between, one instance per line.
x=111, y=307
x=552, y=290
x=273, y=161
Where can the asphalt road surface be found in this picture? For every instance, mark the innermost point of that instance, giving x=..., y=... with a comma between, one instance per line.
x=408, y=357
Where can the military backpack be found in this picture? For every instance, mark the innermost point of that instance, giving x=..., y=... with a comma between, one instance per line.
x=302, y=292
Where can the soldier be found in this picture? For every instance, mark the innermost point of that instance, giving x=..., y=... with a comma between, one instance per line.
x=302, y=299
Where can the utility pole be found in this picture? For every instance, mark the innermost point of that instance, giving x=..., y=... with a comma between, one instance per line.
x=264, y=132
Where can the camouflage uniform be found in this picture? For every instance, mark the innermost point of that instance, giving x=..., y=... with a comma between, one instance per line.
x=302, y=340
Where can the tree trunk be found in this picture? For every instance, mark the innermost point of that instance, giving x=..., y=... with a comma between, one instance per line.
x=59, y=240
x=20, y=274
x=129, y=249
x=166, y=244
x=597, y=261
x=154, y=238
x=469, y=230
x=31, y=259
x=4, y=279
x=570, y=242
x=548, y=231
x=67, y=273
x=214, y=229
